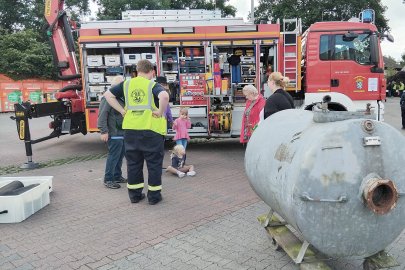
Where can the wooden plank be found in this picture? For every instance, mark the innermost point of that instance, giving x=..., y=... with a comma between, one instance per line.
x=291, y=244
x=381, y=260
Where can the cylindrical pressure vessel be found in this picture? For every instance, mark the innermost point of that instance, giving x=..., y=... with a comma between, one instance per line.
x=340, y=184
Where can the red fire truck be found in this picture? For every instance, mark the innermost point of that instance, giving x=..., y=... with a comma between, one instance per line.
x=208, y=60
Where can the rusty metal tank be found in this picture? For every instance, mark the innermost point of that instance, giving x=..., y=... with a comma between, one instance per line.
x=340, y=184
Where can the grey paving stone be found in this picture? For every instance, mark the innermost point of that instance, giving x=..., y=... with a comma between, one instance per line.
x=4, y=248
x=200, y=263
x=7, y=266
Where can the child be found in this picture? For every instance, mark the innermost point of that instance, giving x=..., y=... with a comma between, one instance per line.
x=181, y=125
x=178, y=159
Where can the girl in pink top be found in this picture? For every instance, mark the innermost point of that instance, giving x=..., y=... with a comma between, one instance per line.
x=181, y=125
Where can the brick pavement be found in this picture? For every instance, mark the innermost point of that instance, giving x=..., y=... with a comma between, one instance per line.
x=204, y=222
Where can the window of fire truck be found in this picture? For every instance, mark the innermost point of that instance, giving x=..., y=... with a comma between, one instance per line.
x=337, y=47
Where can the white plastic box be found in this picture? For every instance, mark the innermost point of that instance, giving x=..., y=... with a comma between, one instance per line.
x=171, y=77
x=97, y=88
x=94, y=60
x=96, y=77
x=112, y=60
x=149, y=56
x=132, y=58
x=109, y=78
x=19, y=207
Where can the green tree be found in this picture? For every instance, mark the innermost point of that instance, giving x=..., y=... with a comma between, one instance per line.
x=12, y=14
x=17, y=15
x=21, y=24
x=390, y=62
x=402, y=61
x=19, y=61
x=111, y=9
x=311, y=11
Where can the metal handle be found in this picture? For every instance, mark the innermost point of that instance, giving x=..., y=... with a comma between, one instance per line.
x=341, y=199
x=4, y=212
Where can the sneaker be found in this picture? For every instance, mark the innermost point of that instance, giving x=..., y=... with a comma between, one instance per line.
x=112, y=185
x=181, y=174
x=191, y=173
x=121, y=180
x=155, y=200
x=137, y=199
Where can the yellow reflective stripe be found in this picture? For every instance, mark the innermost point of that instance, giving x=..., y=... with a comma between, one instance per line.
x=136, y=186
x=154, y=188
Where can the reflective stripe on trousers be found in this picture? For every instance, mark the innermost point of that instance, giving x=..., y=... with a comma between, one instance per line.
x=142, y=185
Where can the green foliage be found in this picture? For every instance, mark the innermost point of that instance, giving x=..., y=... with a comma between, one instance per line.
x=390, y=72
x=111, y=9
x=311, y=11
x=24, y=48
x=77, y=8
x=23, y=56
x=16, y=14
x=390, y=62
x=402, y=61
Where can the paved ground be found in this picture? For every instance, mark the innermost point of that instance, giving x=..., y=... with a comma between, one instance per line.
x=204, y=222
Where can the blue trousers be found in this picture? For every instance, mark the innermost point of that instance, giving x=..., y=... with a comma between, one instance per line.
x=116, y=152
x=182, y=142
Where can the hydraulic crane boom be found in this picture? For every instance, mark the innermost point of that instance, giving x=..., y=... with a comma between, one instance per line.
x=68, y=111
x=61, y=39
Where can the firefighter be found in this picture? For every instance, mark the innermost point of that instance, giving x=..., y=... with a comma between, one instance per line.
x=401, y=88
x=144, y=130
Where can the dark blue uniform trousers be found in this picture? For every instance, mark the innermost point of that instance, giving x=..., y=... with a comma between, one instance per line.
x=143, y=145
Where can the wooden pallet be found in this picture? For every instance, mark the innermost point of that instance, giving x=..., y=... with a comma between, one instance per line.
x=282, y=238
x=308, y=258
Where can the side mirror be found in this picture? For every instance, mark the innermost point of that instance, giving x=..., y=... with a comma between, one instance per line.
x=389, y=37
x=375, y=52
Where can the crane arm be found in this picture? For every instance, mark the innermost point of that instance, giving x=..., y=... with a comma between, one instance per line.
x=59, y=32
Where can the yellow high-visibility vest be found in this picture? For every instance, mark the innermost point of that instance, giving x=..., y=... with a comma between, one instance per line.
x=139, y=104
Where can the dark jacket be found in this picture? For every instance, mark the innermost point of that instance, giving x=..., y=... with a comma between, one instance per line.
x=402, y=102
x=178, y=162
x=110, y=120
x=278, y=101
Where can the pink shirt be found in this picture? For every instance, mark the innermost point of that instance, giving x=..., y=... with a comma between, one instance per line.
x=181, y=125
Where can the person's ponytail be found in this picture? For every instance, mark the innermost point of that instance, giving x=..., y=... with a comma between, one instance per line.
x=279, y=79
x=284, y=82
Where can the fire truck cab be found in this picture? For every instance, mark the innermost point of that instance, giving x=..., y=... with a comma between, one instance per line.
x=344, y=59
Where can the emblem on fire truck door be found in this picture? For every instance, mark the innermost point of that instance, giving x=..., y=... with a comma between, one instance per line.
x=137, y=96
x=359, y=83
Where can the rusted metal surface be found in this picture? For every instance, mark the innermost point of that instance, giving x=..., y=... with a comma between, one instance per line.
x=380, y=195
x=368, y=126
